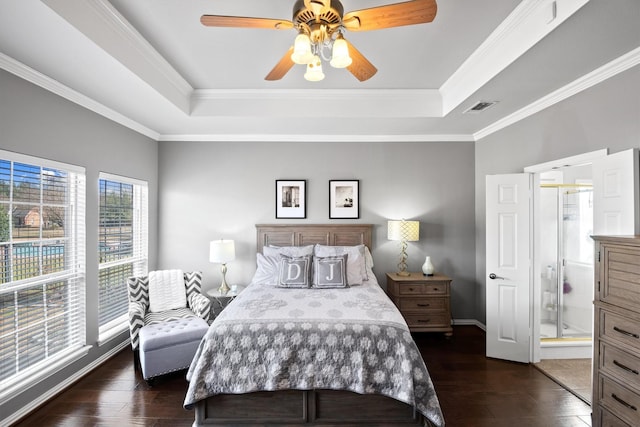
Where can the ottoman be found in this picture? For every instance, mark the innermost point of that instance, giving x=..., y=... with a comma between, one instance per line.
x=169, y=346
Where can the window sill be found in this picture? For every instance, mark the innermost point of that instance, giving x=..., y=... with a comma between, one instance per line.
x=30, y=377
x=111, y=334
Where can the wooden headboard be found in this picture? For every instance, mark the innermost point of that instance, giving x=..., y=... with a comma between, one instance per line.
x=310, y=234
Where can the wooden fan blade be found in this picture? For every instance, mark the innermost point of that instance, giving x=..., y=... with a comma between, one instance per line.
x=282, y=67
x=391, y=15
x=360, y=66
x=245, y=22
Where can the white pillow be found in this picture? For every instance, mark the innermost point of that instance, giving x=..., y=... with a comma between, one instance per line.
x=368, y=262
x=166, y=290
x=266, y=270
x=356, y=271
x=291, y=251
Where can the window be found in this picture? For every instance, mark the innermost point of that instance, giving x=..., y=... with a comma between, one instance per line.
x=42, y=268
x=122, y=247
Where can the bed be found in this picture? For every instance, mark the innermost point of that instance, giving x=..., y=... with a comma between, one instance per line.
x=308, y=357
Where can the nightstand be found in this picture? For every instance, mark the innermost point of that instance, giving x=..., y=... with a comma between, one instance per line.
x=220, y=301
x=424, y=301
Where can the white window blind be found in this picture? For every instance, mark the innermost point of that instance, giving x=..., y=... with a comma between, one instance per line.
x=42, y=267
x=122, y=246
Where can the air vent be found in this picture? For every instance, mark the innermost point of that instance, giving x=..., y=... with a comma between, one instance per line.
x=479, y=107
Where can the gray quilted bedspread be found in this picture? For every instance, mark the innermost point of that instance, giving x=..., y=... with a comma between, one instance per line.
x=341, y=339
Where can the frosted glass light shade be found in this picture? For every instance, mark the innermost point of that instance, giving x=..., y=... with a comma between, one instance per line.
x=403, y=230
x=340, y=54
x=302, y=50
x=314, y=70
x=222, y=251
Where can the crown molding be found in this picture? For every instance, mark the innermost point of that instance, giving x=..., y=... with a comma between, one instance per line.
x=308, y=102
x=104, y=25
x=316, y=138
x=529, y=23
x=617, y=66
x=29, y=74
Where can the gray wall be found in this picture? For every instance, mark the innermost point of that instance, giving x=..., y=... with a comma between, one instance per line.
x=604, y=116
x=221, y=190
x=36, y=122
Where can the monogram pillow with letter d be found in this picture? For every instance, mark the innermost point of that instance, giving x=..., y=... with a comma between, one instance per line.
x=294, y=272
x=330, y=271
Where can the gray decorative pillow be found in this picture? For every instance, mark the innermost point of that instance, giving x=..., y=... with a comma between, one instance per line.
x=330, y=271
x=356, y=269
x=294, y=272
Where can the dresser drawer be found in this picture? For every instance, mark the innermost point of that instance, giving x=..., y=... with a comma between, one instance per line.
x=428, y=320
x=423, y=289
x=620, y=364
x=607, y=419
x=620, y=400
x=620, y=286
x=423, y=304
x=619, y=328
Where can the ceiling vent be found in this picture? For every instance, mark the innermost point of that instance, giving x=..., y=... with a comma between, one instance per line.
x=479, y=107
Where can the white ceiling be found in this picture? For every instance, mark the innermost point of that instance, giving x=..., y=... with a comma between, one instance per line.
x=151, y=65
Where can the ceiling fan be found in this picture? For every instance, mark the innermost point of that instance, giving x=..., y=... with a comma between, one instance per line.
x=321, y=25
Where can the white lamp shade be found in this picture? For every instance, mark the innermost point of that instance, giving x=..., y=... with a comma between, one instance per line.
x=314, y=70
x=340, y=54
x=403, y=230
x=222, y=251
x=302, y=50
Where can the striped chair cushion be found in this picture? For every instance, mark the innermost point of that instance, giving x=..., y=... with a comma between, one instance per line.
x=178, y=313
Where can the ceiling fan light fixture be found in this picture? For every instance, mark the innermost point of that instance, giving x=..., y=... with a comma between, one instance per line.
x=318, y=6
x=314, y=70
x=302, y=49
x=340, y=54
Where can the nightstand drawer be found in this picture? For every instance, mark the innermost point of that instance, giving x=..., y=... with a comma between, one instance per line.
x=427, y=320
x=423, y=289
x=423, y=304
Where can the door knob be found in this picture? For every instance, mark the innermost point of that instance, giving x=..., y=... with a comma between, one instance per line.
x=493, y=276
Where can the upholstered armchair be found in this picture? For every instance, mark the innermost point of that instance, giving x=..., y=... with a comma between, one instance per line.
x=139, y=315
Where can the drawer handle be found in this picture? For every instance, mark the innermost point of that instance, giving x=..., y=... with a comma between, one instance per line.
x=626, y=368
x=627, y=333
x=622, y=402
x=435, y=289
x=423, y=305
x=411, y=289
x=424, y=321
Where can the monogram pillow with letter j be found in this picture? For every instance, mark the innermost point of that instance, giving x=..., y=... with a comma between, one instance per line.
x=294, y=272
x=330, y=271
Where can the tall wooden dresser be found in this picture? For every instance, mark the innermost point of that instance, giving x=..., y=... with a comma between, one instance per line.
x=616, y=333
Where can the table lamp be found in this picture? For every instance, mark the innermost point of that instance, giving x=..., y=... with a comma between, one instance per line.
x=221, y=252
x=404, y=231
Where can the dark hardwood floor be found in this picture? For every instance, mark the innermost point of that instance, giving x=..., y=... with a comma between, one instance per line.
x=473, y=391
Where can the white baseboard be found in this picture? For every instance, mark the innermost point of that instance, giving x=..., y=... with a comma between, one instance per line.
x=468, y=322
x=51, y=393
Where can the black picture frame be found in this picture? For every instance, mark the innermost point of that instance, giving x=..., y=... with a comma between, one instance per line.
x=344, y=199
x=291, y=198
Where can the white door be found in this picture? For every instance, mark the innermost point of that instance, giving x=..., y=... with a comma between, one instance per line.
x=615, y=194
x=508, y=266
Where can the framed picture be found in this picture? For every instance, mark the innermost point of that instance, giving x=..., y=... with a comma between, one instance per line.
x=291, y=198
x=344, y=199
